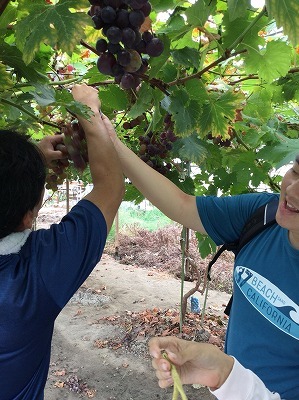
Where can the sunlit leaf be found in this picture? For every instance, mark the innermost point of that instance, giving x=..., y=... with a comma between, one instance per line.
x=272, y=63
x=5, y=79
x=237, y=8
x=286, y=14
x=55, y=25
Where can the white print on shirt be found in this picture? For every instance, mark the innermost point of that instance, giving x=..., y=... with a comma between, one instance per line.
x=271, y=302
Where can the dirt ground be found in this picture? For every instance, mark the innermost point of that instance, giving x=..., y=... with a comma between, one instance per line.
x=79, y=369
x=82, y=366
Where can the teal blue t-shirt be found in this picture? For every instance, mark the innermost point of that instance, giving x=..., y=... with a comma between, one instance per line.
x=263, y=329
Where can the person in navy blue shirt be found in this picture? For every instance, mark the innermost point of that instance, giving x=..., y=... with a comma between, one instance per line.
x=263, y=328
x=41, y=270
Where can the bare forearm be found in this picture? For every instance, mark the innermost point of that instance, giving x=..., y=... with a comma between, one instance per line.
x=105, y=168
x=103, y=159
x=164, y=194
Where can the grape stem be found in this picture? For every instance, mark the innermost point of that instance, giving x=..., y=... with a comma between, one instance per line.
x=91, y=48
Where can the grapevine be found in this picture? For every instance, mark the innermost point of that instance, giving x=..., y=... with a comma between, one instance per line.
x=125, y=49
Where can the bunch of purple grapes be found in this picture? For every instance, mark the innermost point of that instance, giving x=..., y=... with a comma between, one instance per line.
x=122, y=50
x=154, y=148
x=75, y=150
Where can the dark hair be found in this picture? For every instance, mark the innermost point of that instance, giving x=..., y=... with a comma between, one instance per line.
x=22, y=179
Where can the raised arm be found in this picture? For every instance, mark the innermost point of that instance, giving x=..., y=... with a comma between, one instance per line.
x=165, y=195
x=105, y=168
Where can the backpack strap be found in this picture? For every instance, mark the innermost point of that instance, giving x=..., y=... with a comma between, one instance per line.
x=262, y=218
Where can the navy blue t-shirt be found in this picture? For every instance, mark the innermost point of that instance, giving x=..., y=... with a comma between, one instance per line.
x=35, y=284
x=263, y=329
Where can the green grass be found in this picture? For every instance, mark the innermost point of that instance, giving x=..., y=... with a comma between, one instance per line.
x=150, y=220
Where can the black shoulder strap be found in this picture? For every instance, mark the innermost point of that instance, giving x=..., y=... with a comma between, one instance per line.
x=261, y=219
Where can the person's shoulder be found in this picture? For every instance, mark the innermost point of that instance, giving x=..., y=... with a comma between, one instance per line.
x=259, y=198
x=88, y=205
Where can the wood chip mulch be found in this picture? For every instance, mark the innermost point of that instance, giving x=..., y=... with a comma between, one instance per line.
x=157, y=322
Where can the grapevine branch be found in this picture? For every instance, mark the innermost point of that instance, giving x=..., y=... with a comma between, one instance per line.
x=199, y=74
x=3, y=5
x=255, y=76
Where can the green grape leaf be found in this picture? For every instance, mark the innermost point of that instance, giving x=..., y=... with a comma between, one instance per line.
x=218, y=112
x=191, y=149
x=5, y=80
x=286, y=15
x=158, y=96
x=11, y=56
x=274, y=62
x=187, y=57
x=234, y=29
x=185, y=112
x=113, y=98
x=205, y=245
x=133, y=194
x=175, y=27
x=162, y=5
x=55, y=25
x=186, y=184
x=144, y=101
x=282, y=152
x=289, y=85
x=259, y=105
x=8, y=16
x=199, y=12
x=237, y=8
x=43, y=95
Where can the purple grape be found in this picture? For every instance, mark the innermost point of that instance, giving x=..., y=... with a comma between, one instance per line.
x=114, y=48
x=146, y=9
x=98, y=22
x=127, y=81
x=101, y=45
x=113, y=3
x=122, y=18
x=117, y=70
x=140, y=47
x=135, y=4
x=135, y=61
x=124, y=58
x=108, y=14
x=114, y=34
x=128, y=37
x=147, y=36
x=136, y=18
x=105, y=63
x=155, y=47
